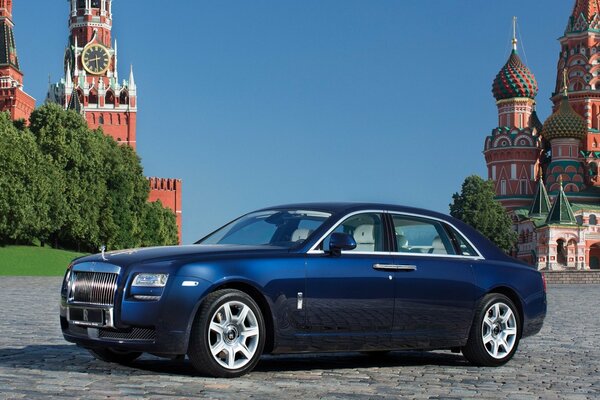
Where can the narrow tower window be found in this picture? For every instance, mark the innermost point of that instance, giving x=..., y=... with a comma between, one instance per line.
x=503, y=188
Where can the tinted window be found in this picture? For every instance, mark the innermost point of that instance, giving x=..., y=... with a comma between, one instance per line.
x=419, y=235
x=465, y=248
x=367, y=230
x=274, y=227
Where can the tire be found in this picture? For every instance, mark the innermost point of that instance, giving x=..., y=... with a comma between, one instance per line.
x=115, y=356
x=495, y=333
x=228, y=335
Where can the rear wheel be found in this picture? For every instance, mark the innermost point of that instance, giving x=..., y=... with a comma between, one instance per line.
x=114, y=356
x=228, y=335
x=496, y=331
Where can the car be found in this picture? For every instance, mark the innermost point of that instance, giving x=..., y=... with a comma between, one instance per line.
x=321, y=277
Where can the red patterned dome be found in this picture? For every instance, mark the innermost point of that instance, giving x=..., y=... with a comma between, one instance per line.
x=514, y=80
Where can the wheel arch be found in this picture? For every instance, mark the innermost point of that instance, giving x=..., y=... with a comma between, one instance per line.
x=514, y=297
x=262, y=303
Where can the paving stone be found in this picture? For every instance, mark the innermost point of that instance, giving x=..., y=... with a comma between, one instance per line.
x=562, y=362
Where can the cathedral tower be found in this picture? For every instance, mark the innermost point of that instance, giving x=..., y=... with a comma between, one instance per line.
x=580, y=57
x=513, y=149
x=12, y=97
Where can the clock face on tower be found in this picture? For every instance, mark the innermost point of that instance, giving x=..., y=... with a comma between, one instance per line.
x=95, y=59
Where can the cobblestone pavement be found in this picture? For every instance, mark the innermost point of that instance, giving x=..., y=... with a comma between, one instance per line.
x=563, y=361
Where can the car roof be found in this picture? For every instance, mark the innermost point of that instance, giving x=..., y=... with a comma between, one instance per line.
x=347, y=207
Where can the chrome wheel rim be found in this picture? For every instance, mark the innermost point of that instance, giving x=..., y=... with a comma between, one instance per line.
x=499, y=330
x=233, y=335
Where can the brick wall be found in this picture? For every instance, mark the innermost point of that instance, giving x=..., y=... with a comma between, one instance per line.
x=168, y=192
x=573, y=277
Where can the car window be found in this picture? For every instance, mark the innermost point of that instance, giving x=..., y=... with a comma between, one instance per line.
x=465, y=248
x=367, y=230
x=420, y=235
x=285, y=228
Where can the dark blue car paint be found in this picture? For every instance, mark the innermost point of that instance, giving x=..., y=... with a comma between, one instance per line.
x=347, y=305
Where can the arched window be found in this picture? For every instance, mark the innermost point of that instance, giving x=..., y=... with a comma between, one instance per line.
x=124, y=98
x=593, y=220
x=80, y=3
x=93, y=97
x=96, y=3
x=561, y=252
x=101, y=120
x=110, y=98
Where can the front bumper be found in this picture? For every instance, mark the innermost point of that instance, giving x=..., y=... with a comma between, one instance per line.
x=159, y=327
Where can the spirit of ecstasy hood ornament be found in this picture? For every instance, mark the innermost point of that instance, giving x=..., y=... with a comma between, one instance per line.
x=103, y=249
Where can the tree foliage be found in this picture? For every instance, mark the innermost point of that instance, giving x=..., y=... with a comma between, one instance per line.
x=476, y=206
x=75, y=187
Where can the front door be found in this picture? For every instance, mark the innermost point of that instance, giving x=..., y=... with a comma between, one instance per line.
x=350, y=298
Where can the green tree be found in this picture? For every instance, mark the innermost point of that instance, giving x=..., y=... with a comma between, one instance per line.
x=76, y=153
x=102, y=192
x=160, y=226
x=26, y=185
x=476, y=206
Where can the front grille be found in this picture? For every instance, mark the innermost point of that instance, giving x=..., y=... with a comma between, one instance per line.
x=94, y=288
x=147, y=334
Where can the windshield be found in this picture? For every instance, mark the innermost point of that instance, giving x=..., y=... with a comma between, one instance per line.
x=286, y=228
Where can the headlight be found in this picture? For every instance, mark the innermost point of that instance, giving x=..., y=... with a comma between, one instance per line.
x=150, y=280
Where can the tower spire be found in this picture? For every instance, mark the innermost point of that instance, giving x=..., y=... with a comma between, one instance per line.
x=541, y=202
x=561, y=212
x=514, y=38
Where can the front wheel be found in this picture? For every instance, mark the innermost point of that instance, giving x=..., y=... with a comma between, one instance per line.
x=228, y=335
x=495, y=334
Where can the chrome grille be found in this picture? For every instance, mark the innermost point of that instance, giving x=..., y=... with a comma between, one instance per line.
x=94, y=288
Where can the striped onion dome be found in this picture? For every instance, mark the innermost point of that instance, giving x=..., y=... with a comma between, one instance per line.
x=565, y=123
x=514, y=80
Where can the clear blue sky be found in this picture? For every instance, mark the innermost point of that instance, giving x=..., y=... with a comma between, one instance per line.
x=264, y=102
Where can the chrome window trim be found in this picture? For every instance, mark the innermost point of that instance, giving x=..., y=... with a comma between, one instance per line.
x=477, y=257
x=313, y=249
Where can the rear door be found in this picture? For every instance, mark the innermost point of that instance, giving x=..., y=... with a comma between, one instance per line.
x=435, y=286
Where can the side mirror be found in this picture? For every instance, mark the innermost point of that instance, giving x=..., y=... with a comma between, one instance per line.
x=341, y=241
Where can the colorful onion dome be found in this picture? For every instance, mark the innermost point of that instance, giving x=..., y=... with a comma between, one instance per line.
x=514, y=80
x=565, y=123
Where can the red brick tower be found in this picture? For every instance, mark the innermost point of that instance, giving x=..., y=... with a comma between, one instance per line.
x=12, y=97
x=513, y=149
x=91, y=86
x=580, y=57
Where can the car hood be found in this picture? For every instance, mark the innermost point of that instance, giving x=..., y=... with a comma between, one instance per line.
x=193, y=252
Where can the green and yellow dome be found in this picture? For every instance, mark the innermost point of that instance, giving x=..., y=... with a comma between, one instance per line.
x=565, y=123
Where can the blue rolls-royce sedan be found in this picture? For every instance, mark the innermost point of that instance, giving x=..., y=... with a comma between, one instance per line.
x=306, y=278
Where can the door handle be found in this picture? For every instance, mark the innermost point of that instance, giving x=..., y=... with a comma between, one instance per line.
x=395, y=267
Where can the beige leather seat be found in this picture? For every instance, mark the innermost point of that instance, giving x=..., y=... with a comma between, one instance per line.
x=301, y=234
x=437, y=246
x=365, y=238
